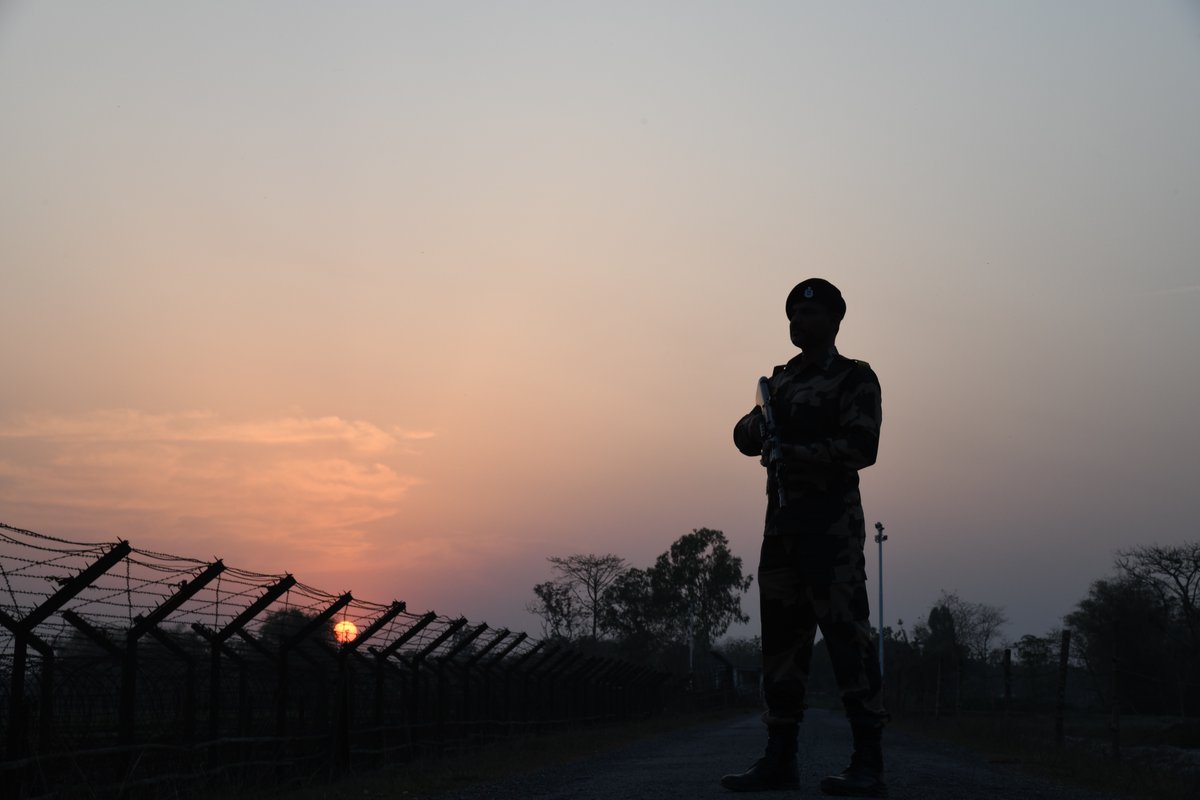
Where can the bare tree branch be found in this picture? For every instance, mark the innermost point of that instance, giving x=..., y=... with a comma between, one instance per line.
x=587, y=576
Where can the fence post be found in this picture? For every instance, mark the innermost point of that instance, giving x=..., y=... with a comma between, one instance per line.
x=383, y=654
x=730, y=695
x=548, y=654
x=598, y=702
x=621, y=680
x=1115, y=724
x=614, y=693
x=467, y=667
x=545, y=695
x=189, y=696
x=595, y=688
x=579, y=689
x=217, y=648
x=217, y=642
x=581, y=695
x=629, y=687
x=127, y=707
x=447, y=660
x=341, y=731
x=1007, y=680
x=958, y=682
x=121, y=656
x=1061, y=705
x=937, y=694
x=638, y=691
x=46, y=701
x=416, y=662
x=127, y=656
x=561, y=673
x=506, y=715
x=17, y=744
x=23, y=640
x=575, y=700
x=285, y=647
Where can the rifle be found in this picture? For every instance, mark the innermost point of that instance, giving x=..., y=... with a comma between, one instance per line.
x=772, y=450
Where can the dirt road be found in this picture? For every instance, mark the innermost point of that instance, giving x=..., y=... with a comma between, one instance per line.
x=687, y=764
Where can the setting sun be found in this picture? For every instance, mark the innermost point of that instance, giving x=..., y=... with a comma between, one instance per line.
x=345, y=631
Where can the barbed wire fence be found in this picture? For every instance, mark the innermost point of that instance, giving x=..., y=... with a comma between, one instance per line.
x=1060, y=698
x=126, y=670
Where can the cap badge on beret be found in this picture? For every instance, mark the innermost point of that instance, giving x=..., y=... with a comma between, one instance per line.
x=818, y=291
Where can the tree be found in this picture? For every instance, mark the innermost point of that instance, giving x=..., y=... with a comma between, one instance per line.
x=1035, y=653
x=588, y=576
x=631, y=615
x=1173, y=574
x=281, y=624
x=975, y=624
x=628, y=609
x=940, y=649
x=941, y=640
x=902, y=662
x=698, y=585
x=1146, y=620
x=1123, y=623
x=558, y=608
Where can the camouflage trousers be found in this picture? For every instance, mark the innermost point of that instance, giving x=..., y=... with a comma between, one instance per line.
x=793, y=607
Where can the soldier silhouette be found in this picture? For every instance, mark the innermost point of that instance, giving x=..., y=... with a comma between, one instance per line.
x=812, y=571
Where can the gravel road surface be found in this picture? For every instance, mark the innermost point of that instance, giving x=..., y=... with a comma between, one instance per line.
x=688, y=764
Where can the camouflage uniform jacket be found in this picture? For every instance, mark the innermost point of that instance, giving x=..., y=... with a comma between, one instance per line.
x=828, y=414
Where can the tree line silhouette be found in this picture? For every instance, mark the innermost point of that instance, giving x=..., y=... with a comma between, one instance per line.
x=1130, y=646
x=667, y=615
x=1132, y=643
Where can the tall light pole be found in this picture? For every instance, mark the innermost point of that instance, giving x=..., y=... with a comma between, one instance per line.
x=880, y=539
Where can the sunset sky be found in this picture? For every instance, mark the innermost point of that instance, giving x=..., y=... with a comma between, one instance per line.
x=405, y=297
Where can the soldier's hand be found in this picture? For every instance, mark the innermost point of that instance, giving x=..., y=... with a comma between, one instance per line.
x=771, y=447
x=758, y=429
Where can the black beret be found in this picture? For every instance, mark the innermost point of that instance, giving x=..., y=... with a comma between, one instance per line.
x=820, y=291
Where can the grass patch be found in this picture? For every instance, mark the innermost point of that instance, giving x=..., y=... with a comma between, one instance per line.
x=504, y=758
x=1085, y=761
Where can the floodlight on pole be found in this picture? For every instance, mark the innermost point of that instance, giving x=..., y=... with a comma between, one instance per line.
x=880, y=539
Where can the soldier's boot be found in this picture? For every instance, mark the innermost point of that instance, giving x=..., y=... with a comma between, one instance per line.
x=777, y=769
x=864, y=776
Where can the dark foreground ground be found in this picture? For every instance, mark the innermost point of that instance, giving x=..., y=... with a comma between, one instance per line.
x=688, y=764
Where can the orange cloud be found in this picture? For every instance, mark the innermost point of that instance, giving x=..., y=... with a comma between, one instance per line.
x=293, y=490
